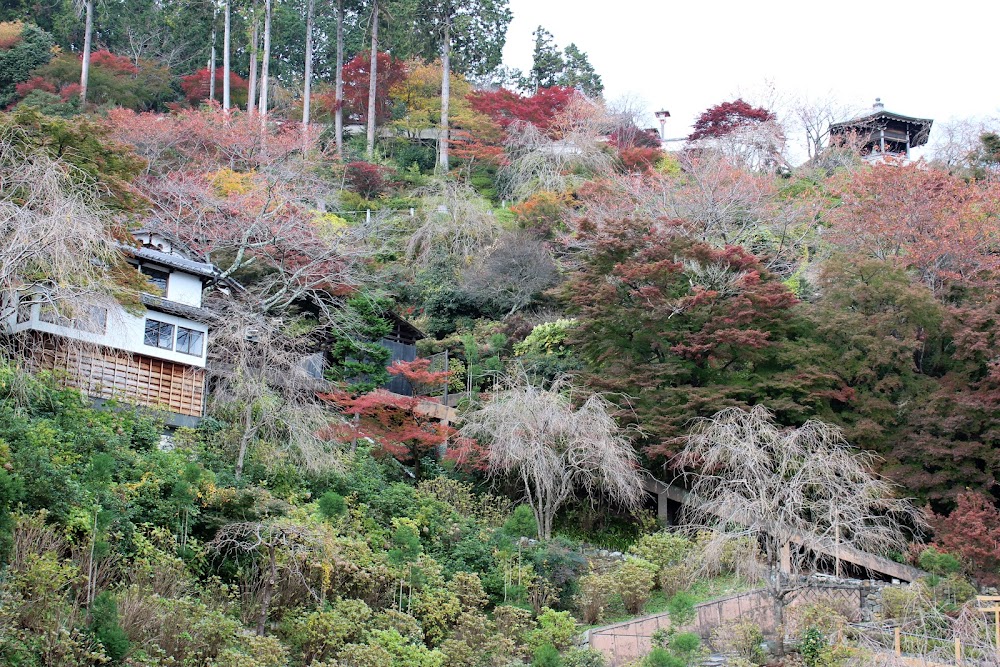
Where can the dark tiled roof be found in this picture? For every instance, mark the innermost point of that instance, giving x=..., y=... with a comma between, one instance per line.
x=174, y=308
x=173, y=261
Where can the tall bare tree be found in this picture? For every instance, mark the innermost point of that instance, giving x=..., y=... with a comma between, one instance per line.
x=87, y=7
x=266, y=65
x=554, y=448
x=226, y=65
x=372, y=82
x=798, y=493
x=338, y=118
x=254, y=40
x=263, y=387
x=211, y=60
x=307, y=85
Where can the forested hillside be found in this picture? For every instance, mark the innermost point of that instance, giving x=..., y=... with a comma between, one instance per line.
x=595, y=308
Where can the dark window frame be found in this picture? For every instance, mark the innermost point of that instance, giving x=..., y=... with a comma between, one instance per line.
x=189, y=336
x=163, y=332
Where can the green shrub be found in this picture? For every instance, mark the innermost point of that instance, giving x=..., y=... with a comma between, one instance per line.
x=681, y=609
x=547, y=655
x=556, y=628
x=331, y=505
x=812, y=645
x=686, y=646
x=661, y=657
x=521, y=523
x=662, y=549
x=583, y=657
x=104, y=623
x=595, y=593
x=635, y=581
x=938, y=562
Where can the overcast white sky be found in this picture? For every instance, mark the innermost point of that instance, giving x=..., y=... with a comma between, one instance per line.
x=937, y=60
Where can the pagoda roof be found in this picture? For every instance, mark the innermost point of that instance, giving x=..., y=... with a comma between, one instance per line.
x=921, y=127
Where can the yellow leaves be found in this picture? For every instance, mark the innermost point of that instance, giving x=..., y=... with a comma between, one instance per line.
x=10, y=33
x=330, y=225
x=228, y=182
x=421, y=93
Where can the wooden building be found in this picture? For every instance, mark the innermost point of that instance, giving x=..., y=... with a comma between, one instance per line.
x=153, y=357
x=882, y=133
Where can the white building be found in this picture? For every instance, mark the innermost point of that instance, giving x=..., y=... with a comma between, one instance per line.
x=152, y=356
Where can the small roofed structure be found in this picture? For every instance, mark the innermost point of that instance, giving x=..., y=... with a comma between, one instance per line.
x=883, y=133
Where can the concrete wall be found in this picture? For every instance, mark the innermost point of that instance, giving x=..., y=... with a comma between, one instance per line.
x=122, y=331
x=624, y=642
x=184, y=288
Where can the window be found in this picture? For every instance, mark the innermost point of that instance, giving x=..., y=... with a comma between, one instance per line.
x=190, y=341
x=159, y=334
x=156, y=277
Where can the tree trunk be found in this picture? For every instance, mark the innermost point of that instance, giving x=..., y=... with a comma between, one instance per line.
x=445, y=98
x=338, y=115
x=307, y=87
x=211, y=66
x=252, y=93
x=244, y=441
x=265, y=66
x=88, y=31
x=226, y=35
x=265, y=601
x=372, y=83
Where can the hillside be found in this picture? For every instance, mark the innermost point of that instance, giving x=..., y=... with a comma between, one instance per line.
x=374, y=377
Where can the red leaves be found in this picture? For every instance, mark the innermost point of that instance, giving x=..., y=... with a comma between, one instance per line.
x=402, y=426
x=367, y=179
x=942, y=227
x=724, y=118
x=970, y=532
x=111, y=62
x=357, y=78
x=197, y=86
x=34, y=83
x=505, y=107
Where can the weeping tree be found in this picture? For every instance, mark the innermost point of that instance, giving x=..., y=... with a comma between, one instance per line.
x=262, y=385
x=556, y=442
x=801, y=494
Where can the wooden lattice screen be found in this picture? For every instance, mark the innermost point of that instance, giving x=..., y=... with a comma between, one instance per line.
x=105, y=373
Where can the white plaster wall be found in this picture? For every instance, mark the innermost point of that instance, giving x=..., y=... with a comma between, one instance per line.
x=125, y=332
x=184, y=288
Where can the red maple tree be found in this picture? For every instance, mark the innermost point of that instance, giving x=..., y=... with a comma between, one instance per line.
x=197, y=86
x=925, y=219
x=401, y=426
x=505, y=107
x=727, y=117
x=391, y=72
x=971, y=532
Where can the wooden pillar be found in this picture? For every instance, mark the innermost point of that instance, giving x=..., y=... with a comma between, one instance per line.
x=958, y=651
x=897, y=643
x=786, y=558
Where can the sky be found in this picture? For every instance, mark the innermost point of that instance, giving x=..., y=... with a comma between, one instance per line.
x=926, y=60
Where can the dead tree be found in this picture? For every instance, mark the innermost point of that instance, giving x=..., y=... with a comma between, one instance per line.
x=55, y=243
x=554, y=448
x=798, y=493
x=263, y=387
x=268, y=539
